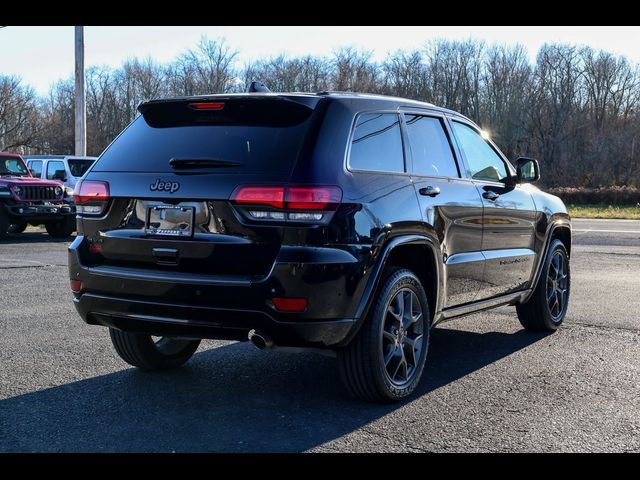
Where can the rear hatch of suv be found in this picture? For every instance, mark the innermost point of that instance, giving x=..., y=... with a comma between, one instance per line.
x=160, y=198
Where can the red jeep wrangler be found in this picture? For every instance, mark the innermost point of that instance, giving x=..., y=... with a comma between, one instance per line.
x=27, y=200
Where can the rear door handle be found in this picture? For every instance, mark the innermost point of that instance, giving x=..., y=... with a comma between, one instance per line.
x=490, y=195
x=430, y=191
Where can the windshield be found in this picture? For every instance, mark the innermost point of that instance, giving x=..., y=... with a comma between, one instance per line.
x=13, y=166
x=79, y=167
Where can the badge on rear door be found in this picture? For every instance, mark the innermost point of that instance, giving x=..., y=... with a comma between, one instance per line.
x=160, y=186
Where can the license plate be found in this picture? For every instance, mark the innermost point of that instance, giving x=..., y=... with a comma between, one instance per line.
x=170, y=221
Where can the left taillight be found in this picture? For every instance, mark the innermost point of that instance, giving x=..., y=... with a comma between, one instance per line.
x=91, y=197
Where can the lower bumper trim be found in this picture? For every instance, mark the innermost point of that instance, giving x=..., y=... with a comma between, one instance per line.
x=207, y=322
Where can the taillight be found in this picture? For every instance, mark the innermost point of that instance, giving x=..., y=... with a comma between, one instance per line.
x=313, y=198
x=91, y=197
x=272, y=196
x=302, y=204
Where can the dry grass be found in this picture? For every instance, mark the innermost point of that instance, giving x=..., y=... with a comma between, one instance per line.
x=631, y=212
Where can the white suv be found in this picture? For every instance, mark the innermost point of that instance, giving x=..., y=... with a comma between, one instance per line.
x=67, y=169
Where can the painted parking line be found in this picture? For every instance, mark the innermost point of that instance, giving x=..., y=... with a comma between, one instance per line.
x=592, y=230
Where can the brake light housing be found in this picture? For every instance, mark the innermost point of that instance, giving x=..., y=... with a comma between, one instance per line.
x=91, y=197
x=287, y=203
x=206, y=105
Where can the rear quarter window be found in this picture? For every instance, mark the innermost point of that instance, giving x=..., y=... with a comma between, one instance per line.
x=376, y=144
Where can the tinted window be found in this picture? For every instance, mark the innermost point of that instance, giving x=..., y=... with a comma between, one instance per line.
x=79, y=167
x=430, y=146
x=484, y=162
x=36, y=168
x=258, y=148
x=377, y=143
x=55, y=170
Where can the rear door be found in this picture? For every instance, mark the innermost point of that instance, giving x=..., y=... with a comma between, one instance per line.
x=170, y=178
x=449, y=204
x=56, y=170
x=508, y=240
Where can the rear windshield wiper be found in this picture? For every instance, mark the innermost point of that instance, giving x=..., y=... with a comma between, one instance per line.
x=187, y=163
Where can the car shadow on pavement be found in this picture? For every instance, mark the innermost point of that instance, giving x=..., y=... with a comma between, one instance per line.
x=227, y=399
x=34, y=237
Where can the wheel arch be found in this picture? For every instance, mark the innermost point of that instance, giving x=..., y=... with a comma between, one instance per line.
x=561, y=230
x=418, y=253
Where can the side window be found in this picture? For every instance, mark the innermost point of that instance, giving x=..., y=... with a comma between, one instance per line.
x=56, y=171
x=377, y=143
x=36, y=168
x=484, y=162
x=432, y=153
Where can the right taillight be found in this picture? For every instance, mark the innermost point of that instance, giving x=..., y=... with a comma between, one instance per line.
x=300, y=204
x=91, y=197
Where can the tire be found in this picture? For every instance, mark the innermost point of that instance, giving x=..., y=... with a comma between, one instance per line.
x=4, y=223
x=63, y=228
x=18, y=227
x=140, y=350
x=362, y=365
x=541, y=313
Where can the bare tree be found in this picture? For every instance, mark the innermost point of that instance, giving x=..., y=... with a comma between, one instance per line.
x=18, y=114
x=353, y=70
x=576, y=109
x=207, y=69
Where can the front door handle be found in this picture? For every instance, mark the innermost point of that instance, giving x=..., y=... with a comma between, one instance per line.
x=490, y=195
x=430, y=191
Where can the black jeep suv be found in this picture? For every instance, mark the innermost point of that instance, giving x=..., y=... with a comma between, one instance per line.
x=337, y=222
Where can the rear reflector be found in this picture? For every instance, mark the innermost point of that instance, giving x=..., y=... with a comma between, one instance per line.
x=95, y=247
x=76, y=286
x=290, y=304
x=207, y=105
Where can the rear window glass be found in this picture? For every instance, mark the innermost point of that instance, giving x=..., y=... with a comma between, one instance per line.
x=377, y=143
x=79, y=167
x=259, y=145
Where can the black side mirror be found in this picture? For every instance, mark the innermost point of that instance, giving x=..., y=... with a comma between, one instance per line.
x=528, y=170
x=60, y=175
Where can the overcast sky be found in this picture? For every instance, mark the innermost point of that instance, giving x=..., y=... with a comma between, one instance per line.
x=42, y=55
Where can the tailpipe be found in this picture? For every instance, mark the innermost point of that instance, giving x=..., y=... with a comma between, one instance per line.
x=260, y=340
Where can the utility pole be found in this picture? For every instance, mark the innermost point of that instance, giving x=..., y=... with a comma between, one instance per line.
x=80, y=95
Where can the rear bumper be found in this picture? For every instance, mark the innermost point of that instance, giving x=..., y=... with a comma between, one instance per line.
x=206, y=306
x=164, y=319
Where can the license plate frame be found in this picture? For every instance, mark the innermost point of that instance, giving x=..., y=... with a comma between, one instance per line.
x=178, y=225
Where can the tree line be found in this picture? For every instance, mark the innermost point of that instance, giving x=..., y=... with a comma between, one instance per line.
x=576, y=109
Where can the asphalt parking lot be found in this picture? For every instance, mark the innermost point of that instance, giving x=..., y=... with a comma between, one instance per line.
x=488, y=386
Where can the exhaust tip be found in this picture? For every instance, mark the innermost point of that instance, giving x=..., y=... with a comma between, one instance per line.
x=260, y=340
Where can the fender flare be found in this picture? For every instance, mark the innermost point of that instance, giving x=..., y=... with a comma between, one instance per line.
x=379, y=265
x=552, y=227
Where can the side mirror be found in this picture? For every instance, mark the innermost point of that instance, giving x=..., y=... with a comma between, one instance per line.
x=528, y=170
